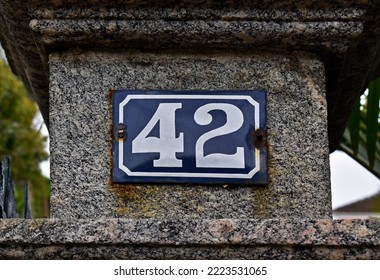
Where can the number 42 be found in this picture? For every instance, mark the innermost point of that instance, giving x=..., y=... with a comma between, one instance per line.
x=168, y=145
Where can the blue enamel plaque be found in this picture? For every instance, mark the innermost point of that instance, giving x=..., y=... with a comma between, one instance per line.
x=216, y=137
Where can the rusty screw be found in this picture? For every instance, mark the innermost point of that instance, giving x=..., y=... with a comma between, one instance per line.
x=121, y=131
x=259, y=138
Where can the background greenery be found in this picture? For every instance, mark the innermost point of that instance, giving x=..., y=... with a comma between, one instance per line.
x=362, y=134
x=22, y=142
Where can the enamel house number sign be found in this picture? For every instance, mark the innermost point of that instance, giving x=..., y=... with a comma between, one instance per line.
x=207, y=137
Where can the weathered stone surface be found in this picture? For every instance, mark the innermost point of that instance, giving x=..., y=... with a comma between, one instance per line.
x=345, y=34
x=189, y=239
x=312, y=57
x=80, y=130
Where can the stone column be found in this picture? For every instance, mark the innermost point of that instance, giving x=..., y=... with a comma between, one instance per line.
x=312, y=57
x=81, y=139
x=300, y=53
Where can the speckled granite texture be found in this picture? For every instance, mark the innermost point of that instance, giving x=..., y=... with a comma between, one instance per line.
x=189, y=239
x=345, y=34
x=313, y=57
x=80, y=130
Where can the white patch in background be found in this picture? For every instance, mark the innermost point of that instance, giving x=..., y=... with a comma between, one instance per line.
x=39, y=124
x=2, y=55
x=350, y=182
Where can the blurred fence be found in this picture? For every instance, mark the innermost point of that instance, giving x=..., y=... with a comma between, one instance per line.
x=7, y=196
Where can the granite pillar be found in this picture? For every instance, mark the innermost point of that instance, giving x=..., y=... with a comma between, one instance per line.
x=80, y=127
x=314, y=58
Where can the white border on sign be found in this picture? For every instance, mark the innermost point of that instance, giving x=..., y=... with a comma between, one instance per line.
x=255, y=104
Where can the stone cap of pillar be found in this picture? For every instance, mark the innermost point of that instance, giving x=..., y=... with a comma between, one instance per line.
x=345, y=34
x=189, y=239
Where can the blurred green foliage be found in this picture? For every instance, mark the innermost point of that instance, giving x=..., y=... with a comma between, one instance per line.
x=22, y=142
x=362, y=134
